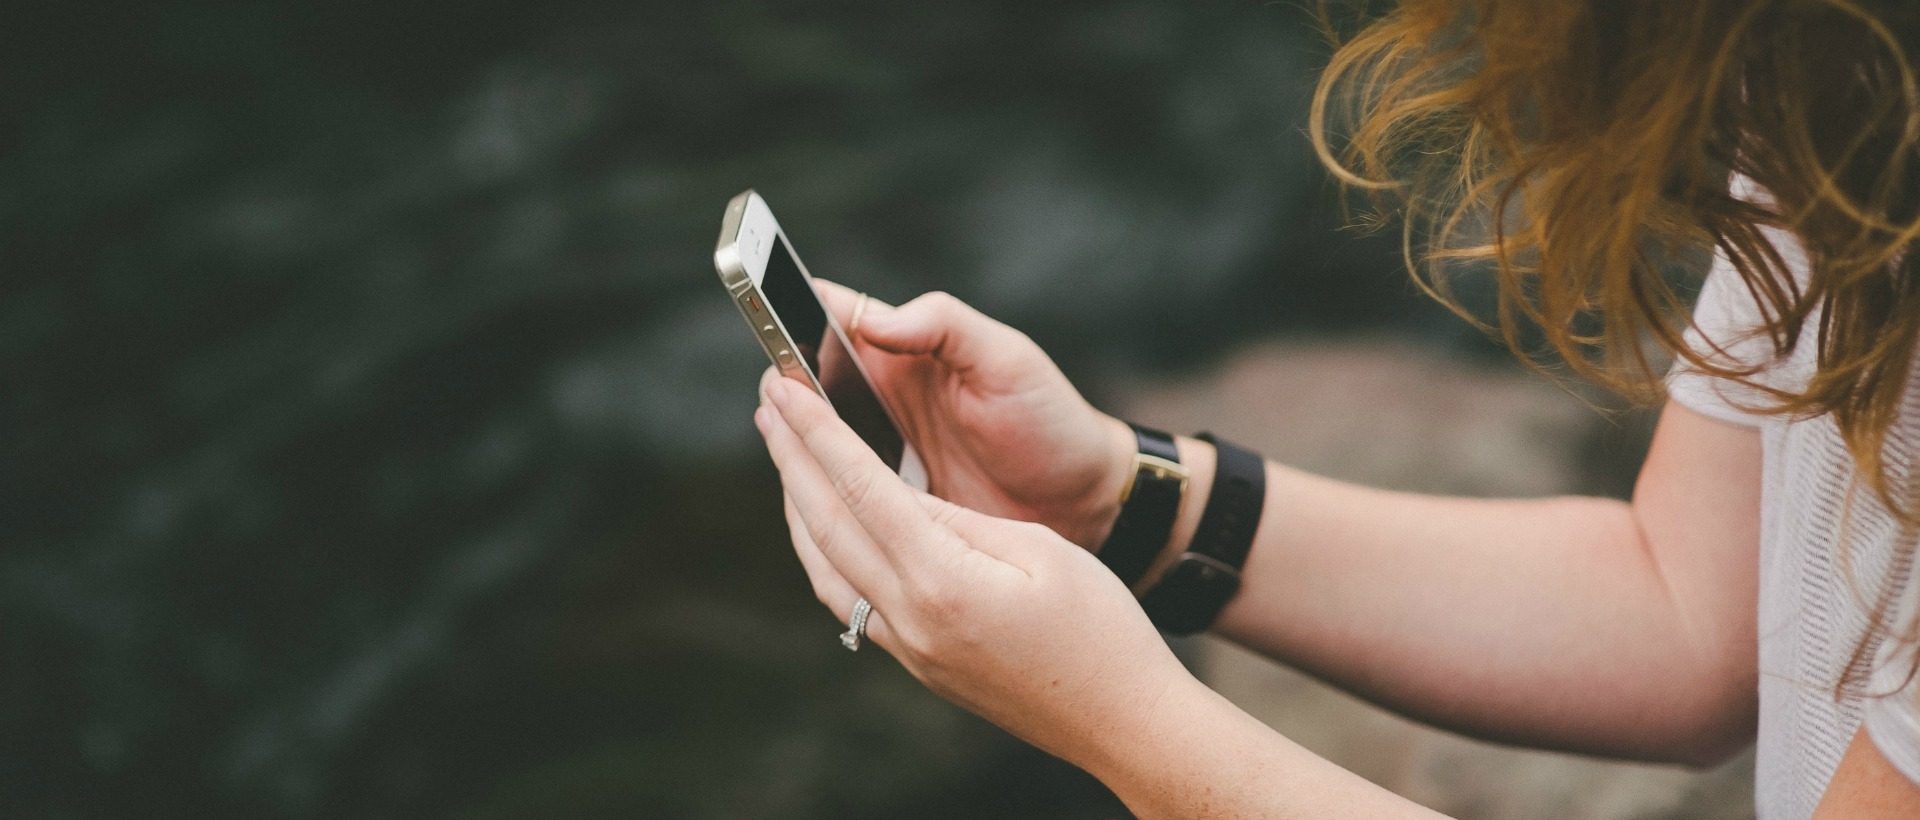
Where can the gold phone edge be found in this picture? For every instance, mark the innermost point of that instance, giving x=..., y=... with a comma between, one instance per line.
x=730, y=265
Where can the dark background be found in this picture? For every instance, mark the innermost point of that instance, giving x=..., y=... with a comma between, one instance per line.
x=375, y=435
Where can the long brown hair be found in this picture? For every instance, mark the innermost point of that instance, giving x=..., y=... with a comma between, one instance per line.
x=1582, y=150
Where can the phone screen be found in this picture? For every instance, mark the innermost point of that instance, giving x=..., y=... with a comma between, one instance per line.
x=819, y=343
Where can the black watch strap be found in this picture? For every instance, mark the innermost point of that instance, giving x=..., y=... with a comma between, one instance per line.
x=1190, y=595
x=1148, y=507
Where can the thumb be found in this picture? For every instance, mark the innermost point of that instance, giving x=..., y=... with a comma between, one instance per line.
x=939, y=325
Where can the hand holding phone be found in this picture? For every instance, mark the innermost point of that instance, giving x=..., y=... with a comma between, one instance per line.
x=776, y=295
x=1000, y=428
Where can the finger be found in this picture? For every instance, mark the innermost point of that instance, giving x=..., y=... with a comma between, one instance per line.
x=882, y=504
x=841, y=602
x=939, y=325
x=766, y=379
x=823, y=515
x=819, y=570
x=842, y=300
x=829, y=587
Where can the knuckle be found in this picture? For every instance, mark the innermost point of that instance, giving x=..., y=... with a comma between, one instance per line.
x=945, y=305
x=939, y=603
x=943, y=629
x=825, y=540
x=943, y=513
x=829, y=539
x=922, y=644
x=854, y=483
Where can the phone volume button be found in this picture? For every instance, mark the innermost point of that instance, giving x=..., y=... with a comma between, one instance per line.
x=784, y=356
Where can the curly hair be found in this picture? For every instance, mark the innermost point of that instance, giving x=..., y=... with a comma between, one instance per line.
x=1583, y=150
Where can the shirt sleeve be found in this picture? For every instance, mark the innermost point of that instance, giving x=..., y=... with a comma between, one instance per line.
x=1726, y=331
x=1892, y=713
x=1725, y=319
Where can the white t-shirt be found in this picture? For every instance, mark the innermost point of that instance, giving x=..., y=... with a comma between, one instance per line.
x=1814, y=606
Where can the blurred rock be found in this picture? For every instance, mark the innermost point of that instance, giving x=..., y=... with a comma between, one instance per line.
x=376, y=436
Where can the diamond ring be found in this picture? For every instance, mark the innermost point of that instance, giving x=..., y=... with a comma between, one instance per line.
x=856, y=626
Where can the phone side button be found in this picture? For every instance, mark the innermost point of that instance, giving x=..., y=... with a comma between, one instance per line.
x=784, y=357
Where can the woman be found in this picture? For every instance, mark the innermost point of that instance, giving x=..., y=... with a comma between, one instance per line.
x=1759, y=582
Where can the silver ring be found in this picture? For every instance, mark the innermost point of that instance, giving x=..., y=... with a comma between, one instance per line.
x=859, y=310
x=856, y=626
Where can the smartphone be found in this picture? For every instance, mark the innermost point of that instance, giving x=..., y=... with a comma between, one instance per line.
x=773, y=290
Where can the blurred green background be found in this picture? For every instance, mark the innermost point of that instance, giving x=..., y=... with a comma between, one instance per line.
x=376, y=436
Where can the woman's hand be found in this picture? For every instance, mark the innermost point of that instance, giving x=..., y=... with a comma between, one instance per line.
x=999, y=426
x=1005, y=618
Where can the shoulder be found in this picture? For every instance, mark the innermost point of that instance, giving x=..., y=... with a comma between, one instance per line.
x=1728, y=330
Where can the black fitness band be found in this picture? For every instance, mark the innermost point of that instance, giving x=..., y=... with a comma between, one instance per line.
x=1193, y=591
x=1148, y=506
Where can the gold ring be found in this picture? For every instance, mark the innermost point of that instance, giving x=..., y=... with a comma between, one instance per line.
x=859, y=309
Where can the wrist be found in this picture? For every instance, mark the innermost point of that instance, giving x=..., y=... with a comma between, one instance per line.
x=1191, y=753
x=1102, y=504
x=1132, y=744
x=1167, y=747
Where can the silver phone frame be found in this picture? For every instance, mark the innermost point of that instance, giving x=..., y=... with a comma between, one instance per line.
x=748, y=234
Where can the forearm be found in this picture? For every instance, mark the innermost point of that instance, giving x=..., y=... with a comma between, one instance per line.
x=1574, y=623
x=1539, y=622
x=1195, y=755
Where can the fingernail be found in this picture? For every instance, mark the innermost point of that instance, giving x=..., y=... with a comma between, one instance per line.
x=779, y=392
